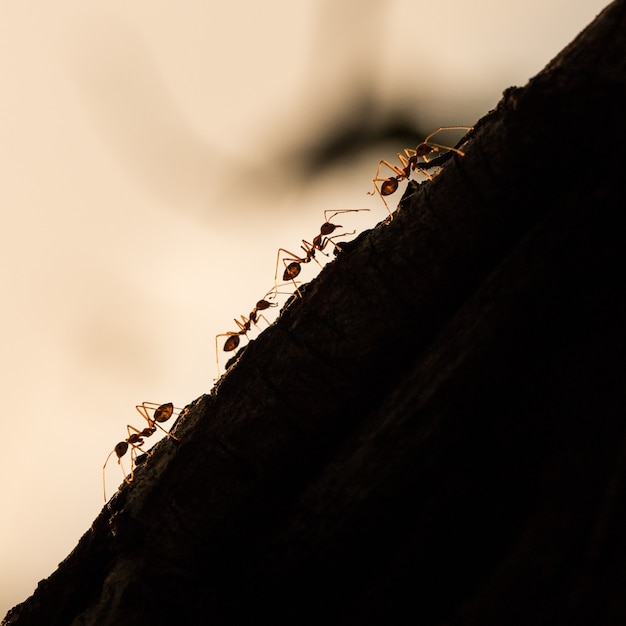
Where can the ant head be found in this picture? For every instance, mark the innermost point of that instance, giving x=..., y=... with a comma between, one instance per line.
x=261, y=305
x=328, y=227
x=424, y=148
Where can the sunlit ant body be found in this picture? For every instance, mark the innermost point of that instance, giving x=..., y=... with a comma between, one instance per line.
x=293, y=263
x=135, y=440
x=233, y=337
x=409, y=158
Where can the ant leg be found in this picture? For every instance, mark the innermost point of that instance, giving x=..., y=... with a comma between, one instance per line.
x=399, y=175
x=419, y=170
x=291, y=270
x=162, y=412
x=434, y=147
x=133, y=458
x=395, y=169
x=120, y=450
x=405, y=158
x=136, y=438
x=122, y=467
x=261, y=316
x=258, y=316
x=243, y=326
x=309, y=251
x=389, y=185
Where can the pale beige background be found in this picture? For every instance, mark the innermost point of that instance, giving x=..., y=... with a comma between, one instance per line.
x=146, y=182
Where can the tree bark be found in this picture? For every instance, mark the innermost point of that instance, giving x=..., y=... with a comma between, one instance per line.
x=435, y=433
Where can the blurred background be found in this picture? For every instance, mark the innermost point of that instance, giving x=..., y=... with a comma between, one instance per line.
x=154, y=157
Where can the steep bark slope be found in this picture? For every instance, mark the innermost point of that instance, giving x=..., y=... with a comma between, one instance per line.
x=437, y=429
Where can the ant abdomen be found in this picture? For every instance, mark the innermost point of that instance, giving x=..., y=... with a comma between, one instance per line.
x=121, y=449
x=389, y=186
x=231, y=343
x=163, y=413
x=292, y=270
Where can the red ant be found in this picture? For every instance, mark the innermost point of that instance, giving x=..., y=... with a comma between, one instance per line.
x=320, y=242
x=135, y=439
x=409, y=160
x=233, y=338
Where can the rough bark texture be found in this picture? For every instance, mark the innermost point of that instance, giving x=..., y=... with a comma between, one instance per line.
x=436, y=432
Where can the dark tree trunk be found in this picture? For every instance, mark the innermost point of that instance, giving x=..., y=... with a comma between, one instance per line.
x=436, y=430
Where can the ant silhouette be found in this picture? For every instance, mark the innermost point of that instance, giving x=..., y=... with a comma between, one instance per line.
x=233, y=338
x=319, y=243
x=135, y=440
x=409, y=160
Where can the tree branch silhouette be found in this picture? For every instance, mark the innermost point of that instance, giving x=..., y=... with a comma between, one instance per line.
x=434, y=430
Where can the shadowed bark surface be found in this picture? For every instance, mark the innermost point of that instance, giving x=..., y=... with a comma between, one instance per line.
x=436, y=432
